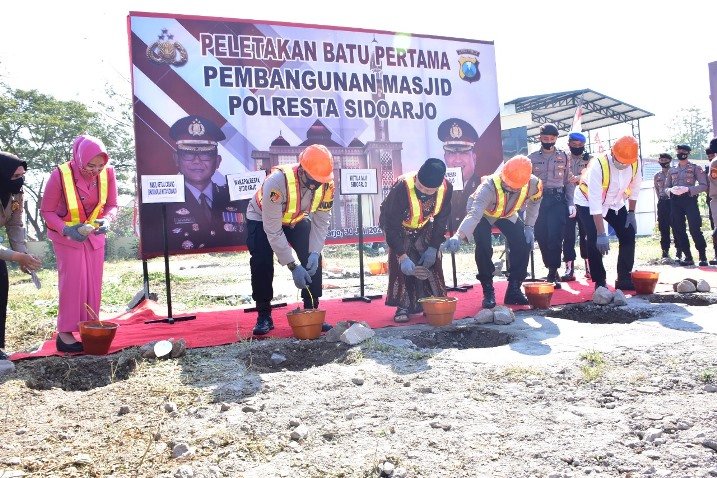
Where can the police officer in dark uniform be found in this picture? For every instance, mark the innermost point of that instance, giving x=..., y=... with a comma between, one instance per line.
x=680, y=184
x=579, y=159
x=459, y=139
x=664, y=220
x=207, y=218
x=553, y=167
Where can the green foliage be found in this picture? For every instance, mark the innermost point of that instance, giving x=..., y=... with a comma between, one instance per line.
x=690, y=126
x=594, y=366
x=40, y=128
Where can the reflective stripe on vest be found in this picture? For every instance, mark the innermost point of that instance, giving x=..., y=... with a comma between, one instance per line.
x=415, y=219
x=605, y=167
x=292, y=211
x=501, y=200
x=75, y=213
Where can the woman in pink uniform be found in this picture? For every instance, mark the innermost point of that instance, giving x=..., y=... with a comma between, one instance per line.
x=78, y=193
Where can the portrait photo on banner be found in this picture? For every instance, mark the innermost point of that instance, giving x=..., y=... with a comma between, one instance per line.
x=220, y=100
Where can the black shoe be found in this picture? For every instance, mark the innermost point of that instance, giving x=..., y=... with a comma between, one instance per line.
x=263, y=324
x=488, y=295
x=515, y=296
x=687, y=262
x=600, y=284
x=713, y=263
x=624, y=283
x=703, y=263
x=69, y=348
x=553, y=277
x=665, y=255
x=3, y=356
x=326, y=327
x=569, y=274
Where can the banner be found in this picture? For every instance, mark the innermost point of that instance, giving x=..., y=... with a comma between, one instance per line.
x=215, y=97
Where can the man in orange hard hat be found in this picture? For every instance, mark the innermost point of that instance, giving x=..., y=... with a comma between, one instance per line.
x=497, y=201
x=289, y=216
x=607, y=182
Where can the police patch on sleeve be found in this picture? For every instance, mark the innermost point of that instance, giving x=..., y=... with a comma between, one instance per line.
x=713, y=173
x=275, y=196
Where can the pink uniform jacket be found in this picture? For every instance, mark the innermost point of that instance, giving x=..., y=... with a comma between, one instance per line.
x=79, y=264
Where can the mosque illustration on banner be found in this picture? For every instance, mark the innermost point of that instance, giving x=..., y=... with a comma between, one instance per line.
x=380, y=154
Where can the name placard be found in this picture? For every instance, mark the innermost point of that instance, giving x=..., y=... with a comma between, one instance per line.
x=455, y=177
x=359, y=181
x=244, y=185
x=162, y=188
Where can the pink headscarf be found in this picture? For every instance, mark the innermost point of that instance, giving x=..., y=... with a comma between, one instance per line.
x=86, y=147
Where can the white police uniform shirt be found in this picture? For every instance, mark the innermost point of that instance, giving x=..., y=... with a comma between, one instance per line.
x=620, y=182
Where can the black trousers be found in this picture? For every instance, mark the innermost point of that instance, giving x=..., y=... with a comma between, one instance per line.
x=625, y=237
x=569, y=239
x=518, y=249
x=664, y=223
x=4, y=287
x=261, y=263
x=549, y=228
x=682, y=207
x=712, y=223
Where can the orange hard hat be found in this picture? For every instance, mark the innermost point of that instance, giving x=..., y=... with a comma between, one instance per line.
x=316, y=160
x=625, y=150
x=516, y=171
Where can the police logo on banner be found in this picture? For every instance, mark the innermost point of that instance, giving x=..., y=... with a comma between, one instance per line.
x=468, y=62
x=166, y=51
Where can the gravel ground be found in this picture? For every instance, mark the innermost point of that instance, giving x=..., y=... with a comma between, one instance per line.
x=546, y=396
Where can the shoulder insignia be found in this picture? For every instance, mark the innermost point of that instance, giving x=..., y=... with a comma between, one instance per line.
x=275, y=196
x=713, y=173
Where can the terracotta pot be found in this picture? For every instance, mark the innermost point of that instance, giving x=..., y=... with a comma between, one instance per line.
x=384, y=267
x=645, y=281
x=97, y=336
x=539, y=294
x=306, y=324
x=439, y=310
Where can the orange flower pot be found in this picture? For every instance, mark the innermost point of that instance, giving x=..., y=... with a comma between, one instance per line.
x=375, y=268
x=645, y=281
x=539, y=294
x=306, y=324
x=97, y=336
x=439, y=310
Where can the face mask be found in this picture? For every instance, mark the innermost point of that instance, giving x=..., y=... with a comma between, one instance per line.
x=422, y=196
x=15, y=185
x=547, y=145
x=665, y=165
x=682, y=155
x=619, y=165
x=577, y=151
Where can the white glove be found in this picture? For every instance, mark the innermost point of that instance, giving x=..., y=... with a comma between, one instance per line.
x=679, y=190
x=452, y=245
x=572, y=211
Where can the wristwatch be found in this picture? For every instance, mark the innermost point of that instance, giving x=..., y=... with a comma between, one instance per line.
x=291, y=265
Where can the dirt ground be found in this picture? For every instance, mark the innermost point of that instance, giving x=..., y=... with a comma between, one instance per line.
x=579, y=390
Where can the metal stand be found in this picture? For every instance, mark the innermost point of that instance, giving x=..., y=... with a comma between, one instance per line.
x=273, y=306
x=362, y=296
x=170, y=319
x=456, y=287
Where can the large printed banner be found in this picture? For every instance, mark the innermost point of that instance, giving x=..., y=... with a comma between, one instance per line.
x=218, y=98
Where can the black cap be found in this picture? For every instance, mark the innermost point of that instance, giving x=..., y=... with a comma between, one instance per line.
x=194, y=133
x=457, y=135
x=549, y=129
x=683, y=146
x=708, y=151
x=432, y=173
x=713, y=145
x=664, y=158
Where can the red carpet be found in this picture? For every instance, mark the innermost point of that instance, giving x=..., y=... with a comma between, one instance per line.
x=224, y=326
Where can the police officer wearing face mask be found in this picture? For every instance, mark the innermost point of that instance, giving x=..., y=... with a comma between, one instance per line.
x=664, y=221
x=684, y=183
x=712, y=192
x=579, y=159
x=553, y=167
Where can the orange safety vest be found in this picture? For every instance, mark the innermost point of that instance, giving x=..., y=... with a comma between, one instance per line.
x=605, y=167
x=292, y=210
x=75, y=213
x=416, y=220
x=501, y=199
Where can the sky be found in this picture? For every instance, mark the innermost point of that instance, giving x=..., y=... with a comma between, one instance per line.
x=655, y=60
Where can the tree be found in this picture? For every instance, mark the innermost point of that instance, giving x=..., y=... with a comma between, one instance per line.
x=40, y=129
x=690, y=126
